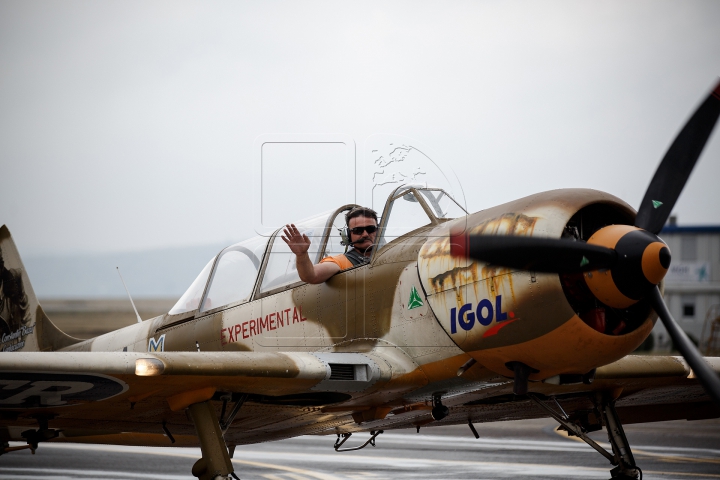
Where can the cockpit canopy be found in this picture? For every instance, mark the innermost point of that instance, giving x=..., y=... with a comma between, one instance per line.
x=262, y=266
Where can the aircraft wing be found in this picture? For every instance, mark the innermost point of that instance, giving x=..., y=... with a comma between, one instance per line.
x=645, y=388
x=175, y=372
x=170, y=374
x=142, y=392
x=96, y=396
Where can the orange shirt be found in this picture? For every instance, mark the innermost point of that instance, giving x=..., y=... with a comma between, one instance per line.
x=339, y=260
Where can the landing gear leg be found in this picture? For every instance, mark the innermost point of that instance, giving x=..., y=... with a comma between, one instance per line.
x=626, y=468
x=215, y=463
x=621, y=458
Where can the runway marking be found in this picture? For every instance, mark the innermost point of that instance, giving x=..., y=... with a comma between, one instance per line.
x=492, y=444
x=683, y=474
x=310, y=473
x=283, y=476
x=164, y=452
x=410, y=464
x=73, y=473
x=660, y=456
x=570, y=471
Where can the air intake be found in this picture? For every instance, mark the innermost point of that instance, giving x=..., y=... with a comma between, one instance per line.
x=342, y=371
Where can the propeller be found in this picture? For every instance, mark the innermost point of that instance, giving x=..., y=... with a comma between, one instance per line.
x=675, y=168
x=703, y=372
x=534, y=254
x=621, y=264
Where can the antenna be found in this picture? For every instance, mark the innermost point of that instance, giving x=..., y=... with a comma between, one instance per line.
x=128, y=292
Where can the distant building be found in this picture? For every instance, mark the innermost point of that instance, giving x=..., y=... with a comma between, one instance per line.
x=692, y=285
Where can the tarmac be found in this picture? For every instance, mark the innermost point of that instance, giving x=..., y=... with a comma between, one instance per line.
x=520, y=449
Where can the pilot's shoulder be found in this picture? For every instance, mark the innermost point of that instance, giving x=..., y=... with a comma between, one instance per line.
x=339, y=260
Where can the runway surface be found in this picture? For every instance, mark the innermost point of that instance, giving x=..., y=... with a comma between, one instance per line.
x=523, y=449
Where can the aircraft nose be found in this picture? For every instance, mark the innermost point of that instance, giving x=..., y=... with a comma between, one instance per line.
x=642, y=262
x=655, y=262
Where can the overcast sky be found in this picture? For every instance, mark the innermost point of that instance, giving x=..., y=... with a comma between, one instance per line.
x=132, y=125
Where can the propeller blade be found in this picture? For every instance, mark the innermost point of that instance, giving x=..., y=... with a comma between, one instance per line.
x=708, y=378
x=675, y=168
x=534, y=254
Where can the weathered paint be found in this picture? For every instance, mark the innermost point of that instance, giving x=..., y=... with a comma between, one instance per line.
x=360, y=311
x=573, y=347
x=462, y=292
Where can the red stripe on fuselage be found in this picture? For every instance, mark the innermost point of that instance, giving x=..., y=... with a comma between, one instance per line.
x=494, y=330
x=458, y=244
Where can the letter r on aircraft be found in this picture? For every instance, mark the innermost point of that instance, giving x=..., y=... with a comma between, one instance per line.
x=48, y=391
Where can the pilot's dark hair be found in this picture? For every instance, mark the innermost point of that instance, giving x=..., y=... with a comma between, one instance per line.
x=360, y=212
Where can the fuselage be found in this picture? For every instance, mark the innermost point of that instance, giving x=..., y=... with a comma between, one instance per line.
x=417, y=301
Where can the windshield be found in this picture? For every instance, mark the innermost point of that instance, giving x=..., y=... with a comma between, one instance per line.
x=441, y=204
x=234, y=275
x=191, y=298
x=403, y=214
x=281, y=270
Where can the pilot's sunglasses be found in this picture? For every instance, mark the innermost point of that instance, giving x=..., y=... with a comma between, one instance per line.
x=359, y=230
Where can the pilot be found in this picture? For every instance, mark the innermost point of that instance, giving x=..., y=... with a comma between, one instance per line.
x=362, y=224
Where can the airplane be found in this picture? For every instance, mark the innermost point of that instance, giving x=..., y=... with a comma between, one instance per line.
x=525, y=310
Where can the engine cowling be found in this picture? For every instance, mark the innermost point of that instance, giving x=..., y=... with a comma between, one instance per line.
x=553, y=323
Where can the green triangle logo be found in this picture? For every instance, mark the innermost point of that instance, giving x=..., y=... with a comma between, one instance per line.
x=415, y=300
x=656, y=204
x=584, y=261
